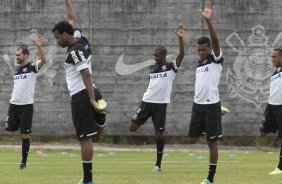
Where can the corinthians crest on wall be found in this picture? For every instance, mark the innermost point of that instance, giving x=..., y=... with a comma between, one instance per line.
x=250, y=76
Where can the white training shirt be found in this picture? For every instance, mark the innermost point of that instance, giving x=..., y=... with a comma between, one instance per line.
x=275, y=96
x=78, y=57
x=207, y=80
x=160, y=86
x=24, y=84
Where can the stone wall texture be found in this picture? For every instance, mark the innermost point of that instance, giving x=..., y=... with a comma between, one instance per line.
x=123, y=35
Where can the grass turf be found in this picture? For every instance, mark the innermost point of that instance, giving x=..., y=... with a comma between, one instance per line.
x=134, y=167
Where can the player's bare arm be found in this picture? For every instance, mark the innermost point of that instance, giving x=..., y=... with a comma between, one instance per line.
x=71, y=14
x=39, y=42
x=86, y=76
x=207, y=13
x=180, y=34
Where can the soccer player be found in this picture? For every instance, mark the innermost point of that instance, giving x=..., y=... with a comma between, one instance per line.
x=206, y=110
x=272, y=120
x=157, y=95
x=87, y=117
x=21, y=103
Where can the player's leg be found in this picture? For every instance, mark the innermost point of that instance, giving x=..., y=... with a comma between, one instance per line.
x=160, y=142
x=268, y=123
x=159, y=117
x=141, y=115
x=196, y=124
x=12, y=122
x=277, y=111
x=86, y=148
x=25, y=114
x=214, y=132
x=84, y=123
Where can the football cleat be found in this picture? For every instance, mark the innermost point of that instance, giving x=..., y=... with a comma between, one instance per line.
x=206, y=181
x=156, y=169
x=102, y=104
x=276, y=171
x=224, y=110
x=22, y=166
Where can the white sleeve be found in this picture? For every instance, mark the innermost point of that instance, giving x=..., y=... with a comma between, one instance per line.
x=35, y=65
x=217, y=58
x=77, y=33
x=175, y=66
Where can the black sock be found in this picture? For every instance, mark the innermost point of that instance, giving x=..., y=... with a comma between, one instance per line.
x=212, y=171
x=87, y=171
x=25, y=149
x=160, y=148
x=280, y=159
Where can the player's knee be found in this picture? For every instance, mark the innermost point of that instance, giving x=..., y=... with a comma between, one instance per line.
x=263, y=134
x=193, y=140
x=95, y=139
x=159, y=135
x=25, y=136
x=132, y=127
x=9, y=133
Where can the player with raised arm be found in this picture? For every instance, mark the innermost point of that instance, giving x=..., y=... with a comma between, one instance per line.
x=157, y=95
x=87, y=115
x=206, y=110
x=20, y=111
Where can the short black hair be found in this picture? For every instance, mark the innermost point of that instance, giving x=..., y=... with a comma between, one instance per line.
x=279, y=50
x=204, y=40
x=24, y=49
x=162, y=49
x=63, y=26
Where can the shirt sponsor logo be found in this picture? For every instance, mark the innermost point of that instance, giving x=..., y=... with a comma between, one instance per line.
x=74, y=57
x=158, y=75
x=202, y=69
x=18, y=77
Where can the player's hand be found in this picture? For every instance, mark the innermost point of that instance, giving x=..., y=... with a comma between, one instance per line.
x=95, y=105
x=207, y=13
x=38, y=40
x=180, y=31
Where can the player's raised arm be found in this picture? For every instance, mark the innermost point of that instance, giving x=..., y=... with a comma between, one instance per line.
x=87, y=80
x=71, y=14
x=180, y=34
x=207, y=13
x=38, y=42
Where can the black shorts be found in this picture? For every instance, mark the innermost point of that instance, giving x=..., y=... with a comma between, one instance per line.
x=19, y=117
x=84, y=116
x=206, y=119
x=272, y=120
x=154, y=110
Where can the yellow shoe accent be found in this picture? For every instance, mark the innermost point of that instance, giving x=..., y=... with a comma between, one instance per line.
x=276, y=171
x=102, y=104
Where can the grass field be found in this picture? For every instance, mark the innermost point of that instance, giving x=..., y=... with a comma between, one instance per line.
x=134, y=167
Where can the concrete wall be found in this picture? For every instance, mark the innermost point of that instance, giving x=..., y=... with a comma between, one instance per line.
x=125, y=32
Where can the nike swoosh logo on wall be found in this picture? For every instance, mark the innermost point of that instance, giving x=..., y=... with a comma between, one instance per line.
x=127, y=69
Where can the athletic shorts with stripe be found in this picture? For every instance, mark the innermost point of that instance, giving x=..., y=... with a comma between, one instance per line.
x=154, y=110
x=206, y=119
x=84, y=116
x=272, y=120
x=19, y=117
